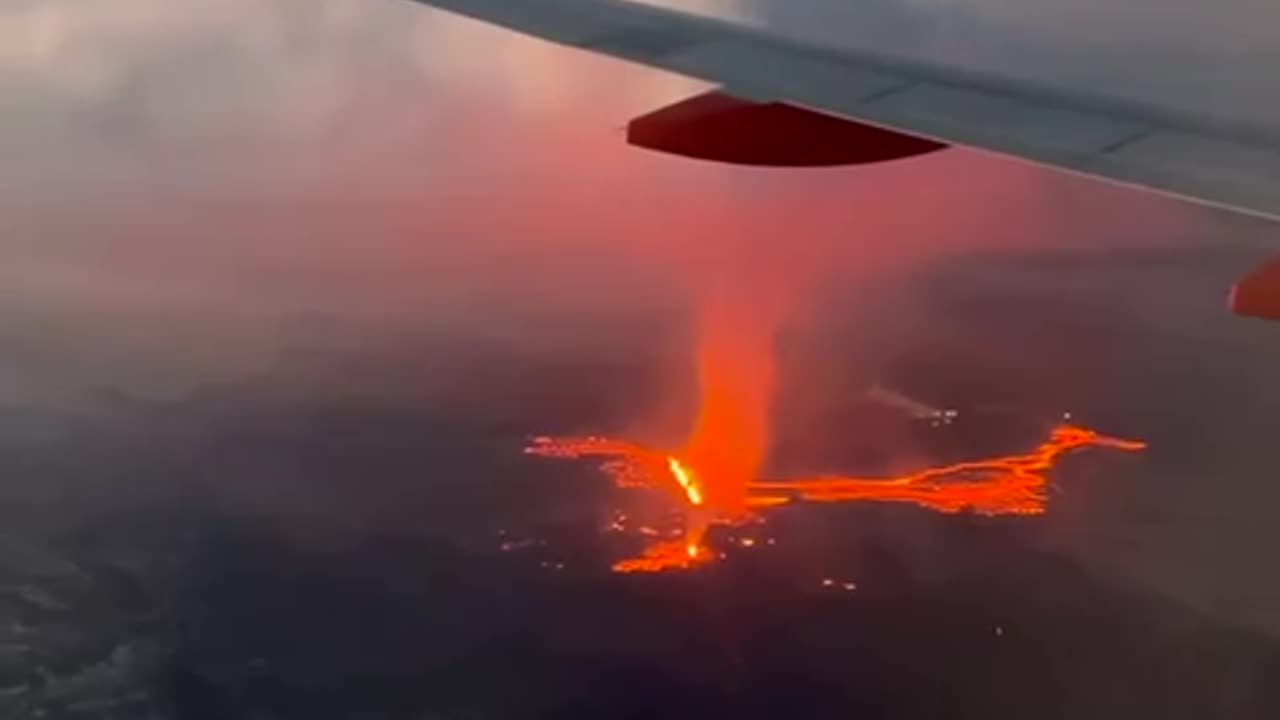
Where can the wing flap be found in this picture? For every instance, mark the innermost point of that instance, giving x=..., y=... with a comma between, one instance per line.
x=1258, y=293
x=719, y=127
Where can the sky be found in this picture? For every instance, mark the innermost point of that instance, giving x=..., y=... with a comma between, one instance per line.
x=237, y=120
x=236, y=216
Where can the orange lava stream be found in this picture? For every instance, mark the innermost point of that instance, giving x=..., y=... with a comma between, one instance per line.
x=666, y=555
x=995, y=486
x=1014, y=484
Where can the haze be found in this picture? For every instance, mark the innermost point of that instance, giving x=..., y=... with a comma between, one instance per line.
x=233, y=232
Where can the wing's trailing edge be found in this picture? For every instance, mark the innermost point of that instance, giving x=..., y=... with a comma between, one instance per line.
x=1201, y=159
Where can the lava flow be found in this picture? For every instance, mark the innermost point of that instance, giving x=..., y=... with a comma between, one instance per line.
x=1013, y=484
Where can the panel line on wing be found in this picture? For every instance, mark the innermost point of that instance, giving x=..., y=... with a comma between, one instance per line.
x=640, y=42
x=1125, y=142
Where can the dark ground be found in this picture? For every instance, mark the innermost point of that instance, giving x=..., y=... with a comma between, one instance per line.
x=317, y=542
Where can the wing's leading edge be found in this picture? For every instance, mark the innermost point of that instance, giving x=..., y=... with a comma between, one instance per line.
x=1202, y=159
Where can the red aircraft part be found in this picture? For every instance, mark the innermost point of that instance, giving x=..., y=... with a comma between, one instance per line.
x=716, y=126
x=1258, y=293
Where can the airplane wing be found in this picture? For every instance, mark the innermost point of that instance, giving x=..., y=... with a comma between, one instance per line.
x=1201, y=159
x=805, y=88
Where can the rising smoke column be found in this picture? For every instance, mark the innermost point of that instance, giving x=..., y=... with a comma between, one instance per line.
x=746, y=286
x=736, y=372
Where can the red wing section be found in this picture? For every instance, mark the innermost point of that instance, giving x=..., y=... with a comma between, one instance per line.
x=1258, y=293
x=719, y=127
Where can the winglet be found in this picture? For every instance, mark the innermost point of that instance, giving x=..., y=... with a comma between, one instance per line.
x=1258, y=293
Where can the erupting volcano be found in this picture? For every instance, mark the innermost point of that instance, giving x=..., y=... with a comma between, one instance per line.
x=714, y=477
